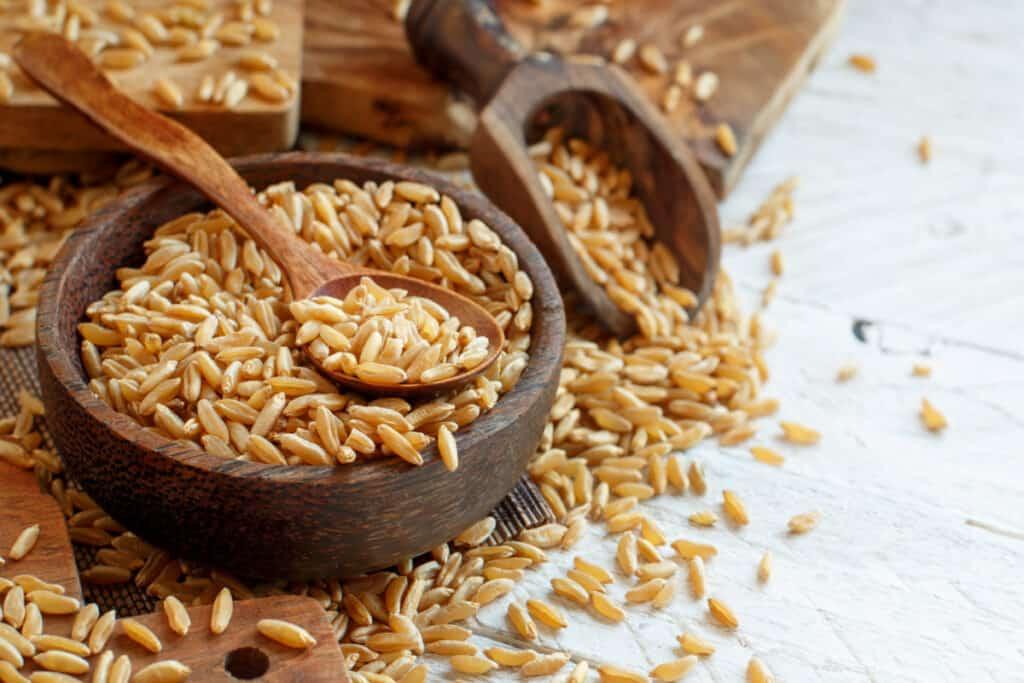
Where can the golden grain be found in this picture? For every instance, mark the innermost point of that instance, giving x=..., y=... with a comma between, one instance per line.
x=24, y=543
x=757, y=672
x=804, y=522
x=799, y=434
x=675, y=669
x=931, y=417
x=167, y=671
x=863, y=63
x=141, y=634
x=286, y=633
x=722, y=614
x=764, y=567
x=609, y=673
x=725, y=137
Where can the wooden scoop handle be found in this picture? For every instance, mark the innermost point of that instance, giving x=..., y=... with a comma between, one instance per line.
x=68, y=74
x=463, y=42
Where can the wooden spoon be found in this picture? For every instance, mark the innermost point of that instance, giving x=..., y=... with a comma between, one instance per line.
x=520, y=96
x=68, y=74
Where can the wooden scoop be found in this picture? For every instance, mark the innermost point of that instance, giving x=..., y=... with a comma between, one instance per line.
x=520, y=96
x=68, y=74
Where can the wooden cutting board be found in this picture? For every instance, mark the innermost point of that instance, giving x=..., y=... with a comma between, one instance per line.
x=360, y=77
x=35, y=129
x=241, y=650
x=23, y=504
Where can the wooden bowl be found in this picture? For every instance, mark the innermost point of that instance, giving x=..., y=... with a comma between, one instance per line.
x=269, y=521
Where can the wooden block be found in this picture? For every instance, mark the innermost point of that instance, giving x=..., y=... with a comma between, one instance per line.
x=32, y=120
x=24, y=504
x=360, y=77
x=214, y=657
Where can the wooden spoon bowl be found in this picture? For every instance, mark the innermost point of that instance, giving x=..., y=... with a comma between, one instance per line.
x=521, y=96
x=270, y=521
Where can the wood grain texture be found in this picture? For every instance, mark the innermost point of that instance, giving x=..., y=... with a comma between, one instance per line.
x=258, y=520
x=208, y=654
x=32, y=120
x=24, y=504
x=360, y=76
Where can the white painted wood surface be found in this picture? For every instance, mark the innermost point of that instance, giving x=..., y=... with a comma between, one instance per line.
x=916, y=572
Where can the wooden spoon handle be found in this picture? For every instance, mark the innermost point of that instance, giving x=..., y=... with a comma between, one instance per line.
x=463, y=42
x=68, y=74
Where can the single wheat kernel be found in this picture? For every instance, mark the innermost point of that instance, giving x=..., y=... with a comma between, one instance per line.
x=696, y=478
x=863, y=63
x=177, y=616
x=846, y=372
x=545, y=665
x=695, y=645
x=604, y=606
x=62, y=662
x=141, y=635
x=734, y=508
x=725, y=137
x=797, y=433
x=624, y=51
x=588, y=582
x=757, y=672
x=49, y=602
x=932, y=419
x=625, y=554
x=764, y=567
x=689, y=549
x=24, y=543
x=645, y=592
x=522, y=621
x=49, y=642
x=703, y=518
x=286, y=633
x=122, y=58
x=653, y=59
x=698, y=578
x=167, y=671
x=169, y=93
x=101, y=631
x=673, y=96
x=921, y=370
x=802, y=523
x=9, y=654
x=221, y=612
x=599, y=573
x=547, y=614
x=675, y=669
x=505, y=657
x=767, y=455
x=659, y=569
x=101, y=667
x=589, y=17
x=84, y=621
x=722, y=614
x=472, y=664
x=570, y=590
x=705, y=86
x=579, y=672
x=614, y=674
x=120, y=670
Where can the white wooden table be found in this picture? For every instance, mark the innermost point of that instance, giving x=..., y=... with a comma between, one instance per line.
x=916, y=572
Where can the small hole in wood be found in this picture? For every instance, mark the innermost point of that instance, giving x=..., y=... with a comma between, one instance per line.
x=247, y=663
